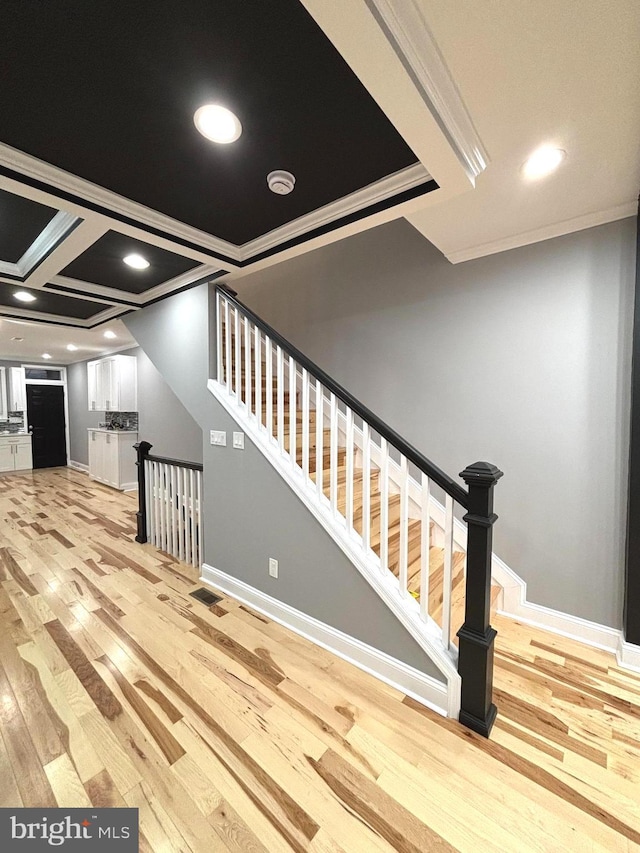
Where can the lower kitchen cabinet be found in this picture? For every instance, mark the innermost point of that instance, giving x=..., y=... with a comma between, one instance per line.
x=112, y=459
x=15, y=453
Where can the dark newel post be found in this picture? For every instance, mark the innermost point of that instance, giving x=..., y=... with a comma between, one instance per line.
x=475, y=661
x=142, y=448
x=631, y=617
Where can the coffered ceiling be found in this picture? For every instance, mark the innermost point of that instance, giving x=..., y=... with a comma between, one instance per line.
x=423, y=109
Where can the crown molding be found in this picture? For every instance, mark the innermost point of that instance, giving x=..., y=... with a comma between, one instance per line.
x=385, y=188
x=547, y=232
x=413, y=43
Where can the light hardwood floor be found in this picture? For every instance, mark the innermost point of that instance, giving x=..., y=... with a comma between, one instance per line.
x=229, y=732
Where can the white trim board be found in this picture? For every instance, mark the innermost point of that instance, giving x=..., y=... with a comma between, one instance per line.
x=420, y=686
x=628, y=655
x=78, y=466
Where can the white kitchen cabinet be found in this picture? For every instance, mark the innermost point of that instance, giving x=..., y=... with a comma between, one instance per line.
x=15, y=453
x=112, y=384
x=16, y=390
x=112, y=459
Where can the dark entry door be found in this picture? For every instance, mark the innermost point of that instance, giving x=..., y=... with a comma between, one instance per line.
x=45, y=414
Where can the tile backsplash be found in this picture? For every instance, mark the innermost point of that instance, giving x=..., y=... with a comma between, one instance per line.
x=121, y=420
x=13, y=424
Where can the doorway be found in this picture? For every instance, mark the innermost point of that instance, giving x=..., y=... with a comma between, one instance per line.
x=47, y=423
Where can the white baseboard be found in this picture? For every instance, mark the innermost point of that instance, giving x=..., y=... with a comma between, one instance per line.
x=403, y=677
x=129, y=487
x=78, y=466
x=628, y=655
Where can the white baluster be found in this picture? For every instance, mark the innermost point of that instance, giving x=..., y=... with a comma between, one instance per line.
x=248, y=365
x=148, y=486
x=319, y=436
x=219, y=333
x=305, y=422
x=161, y=507
x=349, y=471
x=238, y=369
x=172, y=508
x=384, y=505
x=293, y=425
x=404, y=525
x=227, y=346
x=280, y=396
x=333, y=454
x=188, y=479
x=448, y=572
x=198, y=562
x=366, y=485
x=425, y=542
x=269, y=389
x=257, y=391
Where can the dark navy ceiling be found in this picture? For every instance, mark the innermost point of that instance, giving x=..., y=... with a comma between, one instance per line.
x=102, y=264
x=96, y=124
x=21, y=221
x=51, y=303
x=107, y=91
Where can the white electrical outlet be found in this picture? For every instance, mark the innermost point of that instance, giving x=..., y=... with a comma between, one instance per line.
x=273, y=567
x=218, y=437
x=238, y=440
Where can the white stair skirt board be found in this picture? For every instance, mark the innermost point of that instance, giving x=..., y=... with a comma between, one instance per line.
x=78, y=466
x=406, y=610
x=408, y=680
x=628, y=655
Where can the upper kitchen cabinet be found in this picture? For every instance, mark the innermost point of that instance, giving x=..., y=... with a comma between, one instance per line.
x=113, y=384
x=16, y=390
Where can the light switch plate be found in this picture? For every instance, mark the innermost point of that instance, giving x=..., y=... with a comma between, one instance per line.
x=238, y=440
x=218, y=437
x=273, y=567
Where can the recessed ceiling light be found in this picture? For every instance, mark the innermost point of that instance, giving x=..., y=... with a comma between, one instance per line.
x=217, y=123
x=110, y=334
x=46, y=355
x=24, y=296
x=542, y=162
x=137, y=262
x=72, y=347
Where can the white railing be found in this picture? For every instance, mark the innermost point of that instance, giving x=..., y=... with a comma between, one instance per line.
x=173, y=500
x=378, y=495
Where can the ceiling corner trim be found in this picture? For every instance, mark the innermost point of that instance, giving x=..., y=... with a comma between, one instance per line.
x=547, y=232
x=411, y=39
x=380, y=191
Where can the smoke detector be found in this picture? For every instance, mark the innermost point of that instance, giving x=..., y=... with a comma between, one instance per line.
x=281, y=183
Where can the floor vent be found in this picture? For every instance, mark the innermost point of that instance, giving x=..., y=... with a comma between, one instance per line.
x=205, y=596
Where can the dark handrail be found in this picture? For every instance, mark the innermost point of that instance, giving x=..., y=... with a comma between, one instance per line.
x=456, y=491
x=179, y=463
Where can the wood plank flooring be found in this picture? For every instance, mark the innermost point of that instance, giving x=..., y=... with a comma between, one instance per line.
x=230, y=733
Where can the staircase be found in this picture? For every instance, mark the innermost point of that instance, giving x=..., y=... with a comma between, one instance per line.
x=373, y=492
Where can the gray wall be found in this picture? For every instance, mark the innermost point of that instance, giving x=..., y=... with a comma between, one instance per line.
x=520, y=358
x=250, y=512
x=163, y=420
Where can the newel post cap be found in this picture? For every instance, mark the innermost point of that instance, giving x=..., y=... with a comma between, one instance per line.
x=481, y=474
x=142, y=448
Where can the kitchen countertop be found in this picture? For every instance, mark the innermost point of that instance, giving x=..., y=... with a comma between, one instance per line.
x=104, y=429
x=8, y=434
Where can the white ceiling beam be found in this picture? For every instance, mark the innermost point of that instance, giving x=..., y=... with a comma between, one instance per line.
x=80, y=239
